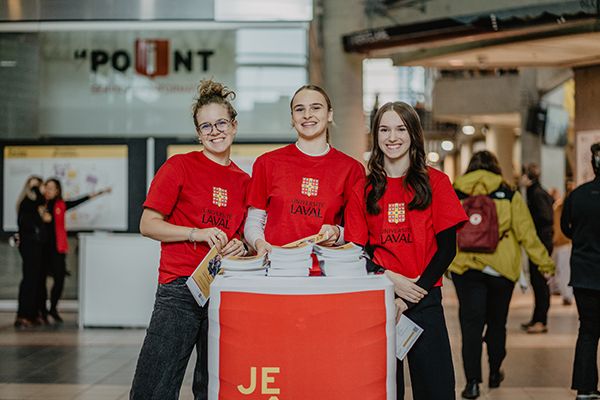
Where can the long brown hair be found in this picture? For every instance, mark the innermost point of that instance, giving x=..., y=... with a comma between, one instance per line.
x=316, y=89
x=417, y=178
x=58, y=187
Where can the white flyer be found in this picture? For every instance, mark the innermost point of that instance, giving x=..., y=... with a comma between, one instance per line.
x=407, y=333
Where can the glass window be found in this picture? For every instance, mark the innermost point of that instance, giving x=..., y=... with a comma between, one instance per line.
x=263, y=10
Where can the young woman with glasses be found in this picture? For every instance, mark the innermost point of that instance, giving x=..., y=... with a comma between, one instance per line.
x=408, y=213
x=301, y=189
x=196, y=201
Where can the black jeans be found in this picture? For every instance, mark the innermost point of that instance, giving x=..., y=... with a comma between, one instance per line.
x=585, y=367
x=178, y=324
x=541, y=294
x=31, y=254
x=483, y=302
x=541, y=290
x=54, y=265
x=430, y=359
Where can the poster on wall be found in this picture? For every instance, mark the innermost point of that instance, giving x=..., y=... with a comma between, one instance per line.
x=585, y=140
x=82, y=170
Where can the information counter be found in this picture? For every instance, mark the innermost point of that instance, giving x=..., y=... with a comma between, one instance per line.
x=117, y=279
x=302, y=338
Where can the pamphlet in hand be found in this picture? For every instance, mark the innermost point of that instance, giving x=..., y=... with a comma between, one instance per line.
x=318, y=238
x=407, y=333
x=199, y=282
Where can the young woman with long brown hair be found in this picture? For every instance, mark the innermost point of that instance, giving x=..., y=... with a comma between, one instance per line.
x=408, y=214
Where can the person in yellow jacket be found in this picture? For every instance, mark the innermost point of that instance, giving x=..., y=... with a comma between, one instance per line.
x=484, y=282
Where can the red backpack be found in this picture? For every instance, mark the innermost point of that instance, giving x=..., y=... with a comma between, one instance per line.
x=480, y=233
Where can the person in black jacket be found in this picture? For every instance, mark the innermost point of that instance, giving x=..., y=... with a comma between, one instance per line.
x=31, y=215
x=540, y=205
x=580, y=221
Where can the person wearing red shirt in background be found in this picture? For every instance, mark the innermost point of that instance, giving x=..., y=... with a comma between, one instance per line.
x=303, y=187
x=196, y=201
x=408, y=214
x=56, y=247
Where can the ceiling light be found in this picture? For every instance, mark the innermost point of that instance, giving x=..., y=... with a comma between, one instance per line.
x=447, y=145
x=468, y=130
x=433, y=157
x=456, y=62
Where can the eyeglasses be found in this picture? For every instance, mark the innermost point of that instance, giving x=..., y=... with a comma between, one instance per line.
x=221, y=125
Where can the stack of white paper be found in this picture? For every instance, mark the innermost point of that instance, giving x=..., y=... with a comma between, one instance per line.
x=290, y=261
x=244, y=266
x=346, y=260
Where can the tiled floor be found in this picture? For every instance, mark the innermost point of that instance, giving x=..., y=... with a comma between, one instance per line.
x=97, y=364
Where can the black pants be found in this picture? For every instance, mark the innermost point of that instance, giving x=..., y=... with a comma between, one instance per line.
x=430, y=359
x=541, y=291
x=54, y=265
x=585, y=366
x=483, y=303
x=178, y=324
x=31, y=254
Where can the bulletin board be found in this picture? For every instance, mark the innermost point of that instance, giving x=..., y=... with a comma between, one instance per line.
x=83, y=168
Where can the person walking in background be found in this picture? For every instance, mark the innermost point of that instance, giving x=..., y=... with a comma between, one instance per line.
x=484, y=281
x=31, y=215
x=408, y=213
x=301, y=189
x=56, y=246
x=540, y=206
x=562, y=251
x=580, y=221
x=185, y=195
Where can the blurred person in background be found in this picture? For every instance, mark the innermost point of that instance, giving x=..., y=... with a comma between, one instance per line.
x=540, y=205
x=56, y=246
x=31, y=218
x=562, y=251
x=580, y=221
x=484, y=281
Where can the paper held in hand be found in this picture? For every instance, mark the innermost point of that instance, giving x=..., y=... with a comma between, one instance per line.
x=407, y=333
x=318, y=238
x=199, y=282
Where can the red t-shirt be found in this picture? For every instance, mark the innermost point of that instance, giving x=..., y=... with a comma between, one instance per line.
x=403, y=240
x=192, y=190
x=300, y=192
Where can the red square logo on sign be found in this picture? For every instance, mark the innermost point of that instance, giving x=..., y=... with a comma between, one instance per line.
x=152, y=57
x=302, y=346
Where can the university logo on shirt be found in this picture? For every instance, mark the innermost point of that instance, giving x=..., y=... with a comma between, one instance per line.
x=310, y=186
x=219, y=197
x=396, y=213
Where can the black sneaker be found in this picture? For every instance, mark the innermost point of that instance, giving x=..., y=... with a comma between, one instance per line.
x=595, y=395
x=471, y=390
